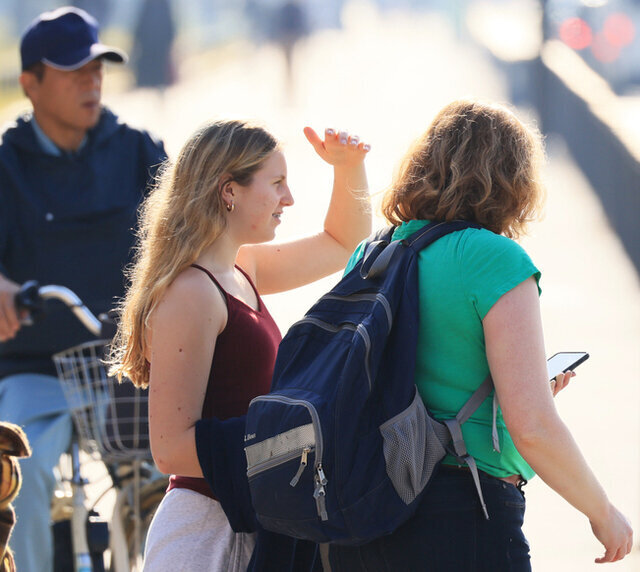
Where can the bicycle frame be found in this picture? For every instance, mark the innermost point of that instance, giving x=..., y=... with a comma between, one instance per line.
x=81, y=555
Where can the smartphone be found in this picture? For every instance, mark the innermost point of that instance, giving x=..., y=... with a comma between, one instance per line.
x=565, y=361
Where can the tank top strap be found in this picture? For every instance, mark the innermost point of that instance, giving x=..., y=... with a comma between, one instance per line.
x=213, y=278
x=255, y=290
x=225, y=295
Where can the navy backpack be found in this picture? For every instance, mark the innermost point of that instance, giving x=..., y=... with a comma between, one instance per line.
x=342, y=447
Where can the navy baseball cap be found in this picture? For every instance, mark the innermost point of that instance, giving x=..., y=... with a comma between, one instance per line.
x=66, y=39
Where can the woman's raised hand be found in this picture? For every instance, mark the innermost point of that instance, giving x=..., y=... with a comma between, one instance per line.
x=339, y=148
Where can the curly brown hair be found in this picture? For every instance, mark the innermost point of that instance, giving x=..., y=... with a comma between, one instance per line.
x=477, y=161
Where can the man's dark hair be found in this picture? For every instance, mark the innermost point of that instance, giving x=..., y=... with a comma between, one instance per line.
x=37, y=69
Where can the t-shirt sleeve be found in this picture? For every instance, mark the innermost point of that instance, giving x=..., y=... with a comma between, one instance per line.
x=357, y=255
x=492, y=265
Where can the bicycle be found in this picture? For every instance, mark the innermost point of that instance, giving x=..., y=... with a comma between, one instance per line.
x=109, y=427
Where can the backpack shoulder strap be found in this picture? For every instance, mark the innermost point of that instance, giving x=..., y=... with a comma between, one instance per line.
x=378, y=253
x=435, y=230
x=380, y=250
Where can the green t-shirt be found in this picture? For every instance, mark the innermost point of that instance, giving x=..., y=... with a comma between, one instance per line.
x=461, y=276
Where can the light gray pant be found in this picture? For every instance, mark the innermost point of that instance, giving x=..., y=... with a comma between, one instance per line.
x=191, y=533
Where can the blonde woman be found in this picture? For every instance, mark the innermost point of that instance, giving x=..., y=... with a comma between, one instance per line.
x=193, y=326
x=479, y=313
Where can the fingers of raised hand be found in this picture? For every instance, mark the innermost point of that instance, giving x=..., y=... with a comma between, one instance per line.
x=312, y=137
x=334, y=136
x=344, y=138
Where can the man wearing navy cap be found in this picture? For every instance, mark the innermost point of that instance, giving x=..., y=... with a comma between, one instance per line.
x=71, y=178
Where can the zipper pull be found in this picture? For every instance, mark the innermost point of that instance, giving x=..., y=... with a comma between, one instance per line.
x=319, y=494
x=301, y=468
x=321, y=475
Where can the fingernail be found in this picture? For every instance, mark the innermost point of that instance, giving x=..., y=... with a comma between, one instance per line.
x=366, y=147
x=330, y=132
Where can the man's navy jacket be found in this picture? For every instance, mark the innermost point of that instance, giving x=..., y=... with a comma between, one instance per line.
x=69, y=220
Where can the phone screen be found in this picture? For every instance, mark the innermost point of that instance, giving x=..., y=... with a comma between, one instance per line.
x=565, y=361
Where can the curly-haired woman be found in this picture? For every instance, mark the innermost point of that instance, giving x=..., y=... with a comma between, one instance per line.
x=479, y=313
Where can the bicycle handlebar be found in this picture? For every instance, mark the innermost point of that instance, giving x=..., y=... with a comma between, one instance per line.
x=31, y=297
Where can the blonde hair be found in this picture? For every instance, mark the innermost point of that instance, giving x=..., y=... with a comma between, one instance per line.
x=182, y=215
x=477, y=162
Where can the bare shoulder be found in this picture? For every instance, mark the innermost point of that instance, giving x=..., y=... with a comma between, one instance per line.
x=192, y=301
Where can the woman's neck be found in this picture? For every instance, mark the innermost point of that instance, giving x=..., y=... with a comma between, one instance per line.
x=219, y=257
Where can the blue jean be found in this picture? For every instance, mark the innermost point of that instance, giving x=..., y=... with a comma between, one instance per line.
x=37, y=404
x=449, y=532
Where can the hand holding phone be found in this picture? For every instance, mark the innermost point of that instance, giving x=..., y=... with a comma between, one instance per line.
x=564, y=361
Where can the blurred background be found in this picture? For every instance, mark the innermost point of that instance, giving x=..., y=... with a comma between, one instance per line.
x=382, y=69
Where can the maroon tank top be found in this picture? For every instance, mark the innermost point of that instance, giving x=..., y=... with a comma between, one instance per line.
x=241, y=369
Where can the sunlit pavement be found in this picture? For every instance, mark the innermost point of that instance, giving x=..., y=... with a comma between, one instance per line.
x=384, y=77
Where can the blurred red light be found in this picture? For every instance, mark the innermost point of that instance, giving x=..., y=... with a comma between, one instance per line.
x=603, y=50
x=619, y=29
x=576, y=33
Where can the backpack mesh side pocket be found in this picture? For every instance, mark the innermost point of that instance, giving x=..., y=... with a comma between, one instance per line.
x=411, y=449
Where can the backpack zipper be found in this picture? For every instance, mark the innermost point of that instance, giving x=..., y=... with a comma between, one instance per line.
x=370, y=297
x=320, y=493
x=303, y=465
x=359, y=329
x=276, y=461
x=320, y=478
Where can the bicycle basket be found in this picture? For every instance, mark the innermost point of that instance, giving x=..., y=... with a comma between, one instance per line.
x=109, y=417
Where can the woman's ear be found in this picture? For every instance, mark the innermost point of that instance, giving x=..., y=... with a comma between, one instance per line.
x=226, y=188
x=226, y=192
